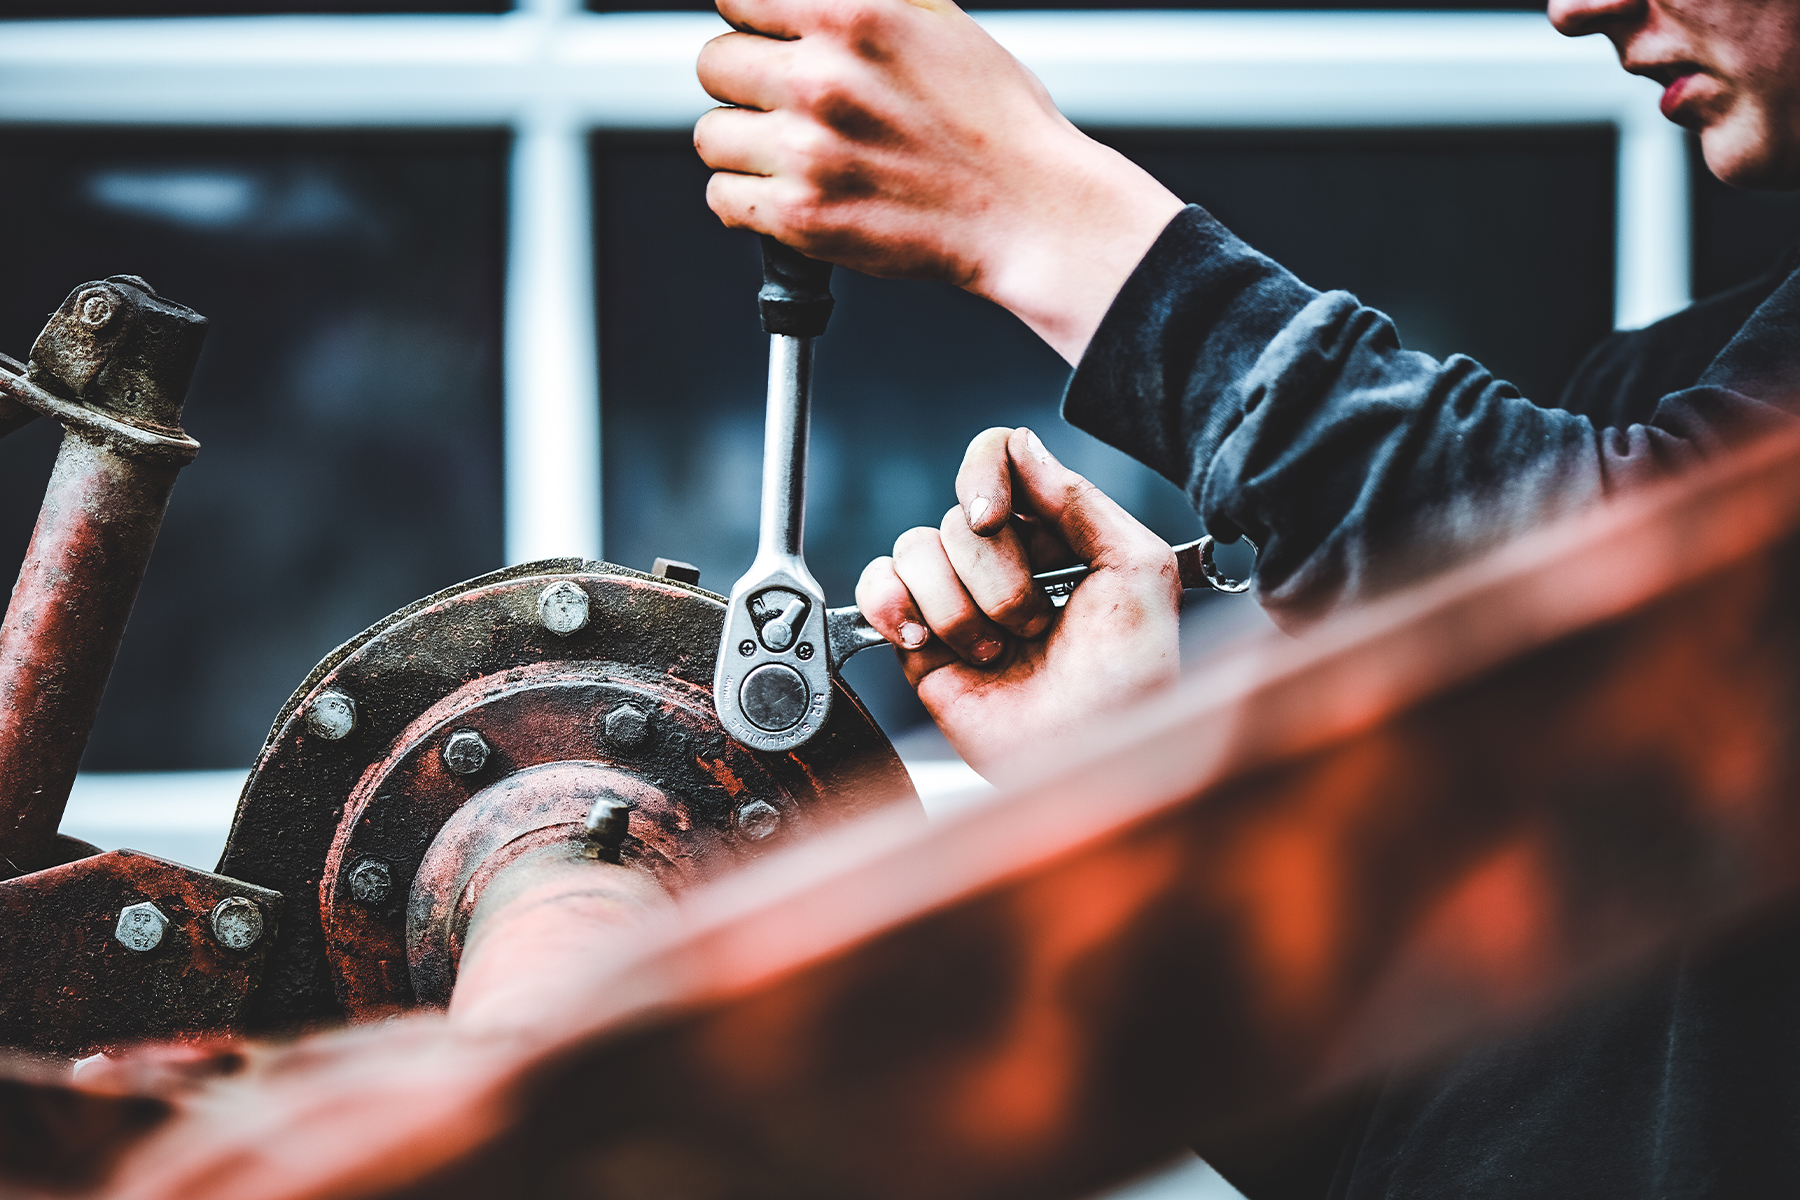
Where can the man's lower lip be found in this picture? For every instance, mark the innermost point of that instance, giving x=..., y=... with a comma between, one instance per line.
x=1673, y=95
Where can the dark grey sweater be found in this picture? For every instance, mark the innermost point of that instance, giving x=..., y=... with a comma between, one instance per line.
x=1294, y=416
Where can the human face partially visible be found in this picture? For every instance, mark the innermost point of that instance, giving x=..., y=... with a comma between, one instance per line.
x=1730, y=71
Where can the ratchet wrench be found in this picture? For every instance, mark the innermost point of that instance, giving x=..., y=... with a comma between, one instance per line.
x=780, y=645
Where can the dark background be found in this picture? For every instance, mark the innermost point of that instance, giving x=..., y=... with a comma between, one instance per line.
x=347, y=402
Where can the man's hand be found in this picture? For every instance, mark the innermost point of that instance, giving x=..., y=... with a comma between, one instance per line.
x=996, y=666
x=896, y=137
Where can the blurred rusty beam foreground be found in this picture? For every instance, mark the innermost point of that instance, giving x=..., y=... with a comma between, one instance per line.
x=1419, y=822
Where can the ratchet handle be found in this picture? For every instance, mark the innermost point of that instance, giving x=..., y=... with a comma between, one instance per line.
x=796, y=293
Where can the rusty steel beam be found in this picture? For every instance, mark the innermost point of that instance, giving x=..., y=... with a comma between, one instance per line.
x=1424, y=821
x=113, y=366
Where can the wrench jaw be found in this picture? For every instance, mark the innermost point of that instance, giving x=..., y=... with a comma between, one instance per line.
x=772, y=685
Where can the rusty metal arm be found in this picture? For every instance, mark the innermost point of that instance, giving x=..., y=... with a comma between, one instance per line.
x=112, y=366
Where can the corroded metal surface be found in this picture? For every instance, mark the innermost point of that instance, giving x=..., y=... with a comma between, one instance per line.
x=111, y=949
x=1322, y=858
x=367, y=790
x=518, y=816
x=113, y=365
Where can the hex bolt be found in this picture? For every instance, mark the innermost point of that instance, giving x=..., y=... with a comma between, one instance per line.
x=608, y=823
x=331, y=715
x=465, y=752
x=237, y=922
x=141, y=927
x=563, y=608
x=95, y=309
x=627, y=727
x=371, y=882
x=758, y=820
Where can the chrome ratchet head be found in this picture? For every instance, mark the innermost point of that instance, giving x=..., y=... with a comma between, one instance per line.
x=772, y=685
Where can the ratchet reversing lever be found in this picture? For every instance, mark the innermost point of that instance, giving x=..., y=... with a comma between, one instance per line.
x=781, y=646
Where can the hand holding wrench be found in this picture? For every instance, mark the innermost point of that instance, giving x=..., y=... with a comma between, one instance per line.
x=780, y=645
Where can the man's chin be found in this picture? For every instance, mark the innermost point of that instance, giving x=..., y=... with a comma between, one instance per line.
x=1746, y=154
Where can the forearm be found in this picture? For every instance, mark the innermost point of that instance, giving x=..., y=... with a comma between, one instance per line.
x=1295, y=417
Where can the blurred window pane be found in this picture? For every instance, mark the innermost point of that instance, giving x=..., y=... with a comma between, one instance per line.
x=220, y=8
x=1737, y=234
x=1493, y=243
x=347, y=402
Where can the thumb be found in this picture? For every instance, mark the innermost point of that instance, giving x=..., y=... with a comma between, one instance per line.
x=1090, y=522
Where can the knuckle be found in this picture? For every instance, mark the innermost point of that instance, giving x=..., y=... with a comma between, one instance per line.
x=915, y=540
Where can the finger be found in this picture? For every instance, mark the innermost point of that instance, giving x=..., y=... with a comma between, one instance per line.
x=744, y=69
x=736, y=139
x=745, y=202
x=769, y=18
x=948, y=609
x=889, y=607
x=1044, y=549
x=997, y=575
x=1093, y=525
x=984, y=482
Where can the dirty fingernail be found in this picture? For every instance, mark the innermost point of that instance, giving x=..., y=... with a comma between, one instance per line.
x=986, y=650
x=912, y=634
x=977, y=509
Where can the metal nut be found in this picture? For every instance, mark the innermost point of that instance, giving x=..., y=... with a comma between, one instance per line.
x=371, y=882
x=758, y=820
x=141, y=927
x=627, y=727
x=465, y=752
x=331, y=715
x=237, y=923
x=563, y=608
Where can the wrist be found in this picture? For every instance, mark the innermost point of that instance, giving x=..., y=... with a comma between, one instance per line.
x=1058, y=262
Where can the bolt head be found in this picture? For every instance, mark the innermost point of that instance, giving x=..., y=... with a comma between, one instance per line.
x=465, y=752
x=563, y=608
x=95, y=309
x=758, y=819
x=627, y=727
x=237, y=922
x=331, y=715
x=371, y=882
x=141, y=927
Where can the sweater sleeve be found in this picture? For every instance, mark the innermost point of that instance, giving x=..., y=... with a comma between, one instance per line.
x=1296, y=418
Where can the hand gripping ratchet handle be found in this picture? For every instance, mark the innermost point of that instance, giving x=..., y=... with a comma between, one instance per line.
x=772, y=684
x=848, y=632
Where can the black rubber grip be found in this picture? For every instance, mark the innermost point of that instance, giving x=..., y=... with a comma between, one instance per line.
x=796, y=293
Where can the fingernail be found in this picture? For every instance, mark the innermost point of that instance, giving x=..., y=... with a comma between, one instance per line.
x=1037, y=448
x=986, y=650
x=977, y=509
x=912, y=634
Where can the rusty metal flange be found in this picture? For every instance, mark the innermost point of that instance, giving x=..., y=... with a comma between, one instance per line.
x=108, y=950
x=534, y=660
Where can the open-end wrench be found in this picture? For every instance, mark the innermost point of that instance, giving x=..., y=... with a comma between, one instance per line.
x=780, y=645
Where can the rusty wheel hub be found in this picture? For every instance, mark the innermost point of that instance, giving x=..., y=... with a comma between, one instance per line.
x=482, y=722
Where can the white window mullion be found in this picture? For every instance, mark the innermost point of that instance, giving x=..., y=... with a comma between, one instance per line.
x=1655, y=234
x=552, y=386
